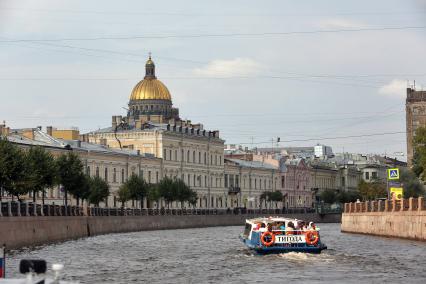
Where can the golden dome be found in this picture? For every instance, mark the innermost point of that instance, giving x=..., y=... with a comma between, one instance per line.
x=150, y=89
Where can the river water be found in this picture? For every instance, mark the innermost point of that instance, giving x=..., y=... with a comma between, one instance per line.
x=215, y=255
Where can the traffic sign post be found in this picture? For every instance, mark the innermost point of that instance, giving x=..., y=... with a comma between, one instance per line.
x=392, y=180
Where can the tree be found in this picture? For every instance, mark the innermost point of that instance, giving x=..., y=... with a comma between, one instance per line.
x=99, y=190
x=411, y=184
x=372, y=190
x=419, y=147
x=347, y=196
x=153, y=193
x=70, y=173
x=185, y=193
x=124, y=194
x=42, y=170
x=328, y=196
x=137, y=187
x=13, y=169
x=272, y=196
x=168, y=190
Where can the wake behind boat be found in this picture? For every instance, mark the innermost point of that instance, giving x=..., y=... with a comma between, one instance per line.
x=280, y=235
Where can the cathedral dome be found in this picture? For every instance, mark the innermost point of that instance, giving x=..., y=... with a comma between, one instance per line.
x=150, y=88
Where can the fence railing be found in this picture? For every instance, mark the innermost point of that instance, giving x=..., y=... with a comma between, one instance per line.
x=26, y=209
x=411, y=204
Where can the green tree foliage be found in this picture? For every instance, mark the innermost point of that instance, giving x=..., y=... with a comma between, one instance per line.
x=135, y=188
x=168, y=190
x=153, y=193
x=272, y=196
x=185, y=193
x=70, y=175
x=348, y=196
x=14, y=171
x=124, y=194
x=372, y=190
x=99, y=190
x=329, y=196
x=411, y=184
x=419, y=159
x=41, y=170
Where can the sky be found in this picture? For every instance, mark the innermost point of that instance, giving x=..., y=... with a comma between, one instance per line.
x=308, y=72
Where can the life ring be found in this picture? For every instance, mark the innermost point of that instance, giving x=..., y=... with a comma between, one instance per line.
x=312, y=238
x=264, y=241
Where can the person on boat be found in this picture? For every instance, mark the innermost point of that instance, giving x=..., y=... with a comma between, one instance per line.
x=263, y=228
x=312, y=226
x=290, y=228
x=282, y=228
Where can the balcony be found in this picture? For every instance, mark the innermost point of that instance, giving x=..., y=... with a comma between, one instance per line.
x=234, y=190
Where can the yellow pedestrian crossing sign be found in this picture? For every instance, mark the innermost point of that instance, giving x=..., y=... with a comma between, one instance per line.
x=393, y=174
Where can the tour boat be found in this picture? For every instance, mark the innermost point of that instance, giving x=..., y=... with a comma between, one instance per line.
x=281, y=235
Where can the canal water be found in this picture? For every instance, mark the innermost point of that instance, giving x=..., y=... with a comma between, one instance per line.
x=215, y=255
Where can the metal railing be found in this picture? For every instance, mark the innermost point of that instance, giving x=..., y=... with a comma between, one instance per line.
x=410, y=204
x=28, y=209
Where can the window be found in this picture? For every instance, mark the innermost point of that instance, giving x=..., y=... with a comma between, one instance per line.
x=181, y=155
x=114, y=175
x=106, y=174
x=367, y=175
x=149, y=176
x=170, y=155
x=211, y=159
x=176, y=158
x=88, y=170
x=205, y=181
x=97, y=171
x=282, y=182
x=226, y=180
x=194, y=181
x=156, y=177
x=187, y=156
x=165, y=154
x=193, y=157
x=215, y=160
x=205, y=158
x=374, y=175
x=122, y=176
x=199, y=157
x=189, y=178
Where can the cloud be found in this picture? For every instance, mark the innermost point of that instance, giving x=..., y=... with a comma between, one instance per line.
x=233, y=67
x=331, y=24
x=396, y=88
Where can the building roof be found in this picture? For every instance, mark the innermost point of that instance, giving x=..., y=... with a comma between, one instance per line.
x=252, y=164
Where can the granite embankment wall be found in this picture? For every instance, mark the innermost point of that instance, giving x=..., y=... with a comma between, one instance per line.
x=18, y=232
x=397, y=218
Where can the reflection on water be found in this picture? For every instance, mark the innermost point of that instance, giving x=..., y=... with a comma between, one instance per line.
x=212, y=255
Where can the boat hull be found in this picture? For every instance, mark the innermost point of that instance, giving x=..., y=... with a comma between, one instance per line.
x=261, y=249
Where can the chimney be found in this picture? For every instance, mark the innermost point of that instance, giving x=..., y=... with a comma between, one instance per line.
x=114, y=122
x=49, y=130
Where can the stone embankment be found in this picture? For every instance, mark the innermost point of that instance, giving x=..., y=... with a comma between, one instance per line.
x=21, y=231
x=390, y=218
